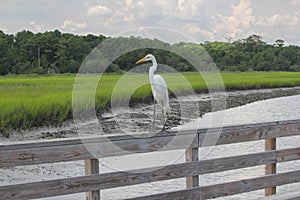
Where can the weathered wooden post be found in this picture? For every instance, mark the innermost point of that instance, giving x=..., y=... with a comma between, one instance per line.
x=92, y=167
x=270, y=144
x=191, y=155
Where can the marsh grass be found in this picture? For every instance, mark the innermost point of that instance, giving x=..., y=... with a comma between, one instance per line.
x=28, y=102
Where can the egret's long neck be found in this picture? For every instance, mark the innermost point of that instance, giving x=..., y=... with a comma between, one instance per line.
x=152, y=70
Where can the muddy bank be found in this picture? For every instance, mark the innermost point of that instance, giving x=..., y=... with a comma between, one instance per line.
x=239, y=98
x=139, y=118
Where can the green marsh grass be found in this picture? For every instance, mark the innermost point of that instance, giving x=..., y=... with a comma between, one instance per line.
x=28, y=102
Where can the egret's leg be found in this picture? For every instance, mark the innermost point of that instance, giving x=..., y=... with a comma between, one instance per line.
x=153, y=125
x=164, y=119
x=163, y=116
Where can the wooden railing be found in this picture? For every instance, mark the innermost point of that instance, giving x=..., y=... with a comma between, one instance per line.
x=65, y=150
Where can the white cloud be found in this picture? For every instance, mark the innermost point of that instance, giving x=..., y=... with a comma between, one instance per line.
x=278, y=20
x=129, y=5
x=122, y=17
x=36, y=27
x=242, y=18
x=180, y=5
x=72, y=25
x=295, y=2
x=201, y=19
x=194, y=30
x=98, y=10
x=188, y=9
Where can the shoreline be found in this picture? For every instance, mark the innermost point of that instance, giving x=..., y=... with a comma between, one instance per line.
x=139, y=118
x=34, y=173
x=29, y=103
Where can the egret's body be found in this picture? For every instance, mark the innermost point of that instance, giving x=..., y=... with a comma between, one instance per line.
x=158, y=85
x=160, y=92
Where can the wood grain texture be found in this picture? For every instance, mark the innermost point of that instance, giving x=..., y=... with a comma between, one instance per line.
x=62, y=150
x=119, y=179
x=38, y=153
x=248, y=185
x=285, y=155
x=92, y=167
x=192, y=155
x=252, y=132
x=226, y=189
x=29, y=153
x=270, y=144
x=291, y=195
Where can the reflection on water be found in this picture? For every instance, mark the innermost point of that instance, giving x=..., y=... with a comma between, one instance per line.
x=283, y=108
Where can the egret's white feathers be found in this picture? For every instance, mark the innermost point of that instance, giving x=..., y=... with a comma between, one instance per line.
x=158, y=84
x=160, y=91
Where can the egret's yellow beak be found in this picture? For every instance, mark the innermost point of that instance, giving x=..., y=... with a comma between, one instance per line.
x=141, y=60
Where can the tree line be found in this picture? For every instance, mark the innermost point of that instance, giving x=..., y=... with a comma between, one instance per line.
x=44, y=53
x=253, y=53
x=55, y=52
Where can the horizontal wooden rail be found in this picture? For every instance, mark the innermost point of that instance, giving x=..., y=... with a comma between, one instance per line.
x=119, y=179
x=75, y=149
x=226, y=189
x=63, y=150
x=291, y=195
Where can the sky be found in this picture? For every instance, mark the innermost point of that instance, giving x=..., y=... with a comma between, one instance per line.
x=201, y=20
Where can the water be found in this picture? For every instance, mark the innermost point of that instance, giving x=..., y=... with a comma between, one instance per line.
x=283, y=108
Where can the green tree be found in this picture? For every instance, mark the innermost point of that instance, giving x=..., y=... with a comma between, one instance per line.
x=279, y=43
x=6, y=42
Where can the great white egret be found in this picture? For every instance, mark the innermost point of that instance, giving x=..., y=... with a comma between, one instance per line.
x=158, y=86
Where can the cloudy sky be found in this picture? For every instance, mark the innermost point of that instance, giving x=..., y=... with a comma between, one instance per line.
x=199, y=19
